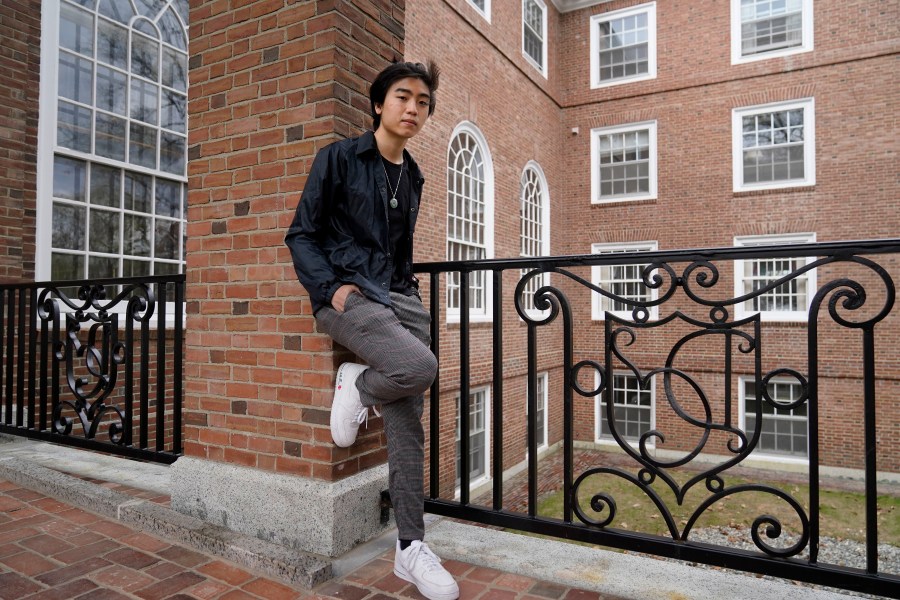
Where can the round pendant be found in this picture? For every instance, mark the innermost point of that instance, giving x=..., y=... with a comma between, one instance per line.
x=393, y=203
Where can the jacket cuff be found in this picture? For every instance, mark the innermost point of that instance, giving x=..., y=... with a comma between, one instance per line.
x=329, y=294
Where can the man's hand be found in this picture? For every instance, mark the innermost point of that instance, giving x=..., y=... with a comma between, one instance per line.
x=341, y=295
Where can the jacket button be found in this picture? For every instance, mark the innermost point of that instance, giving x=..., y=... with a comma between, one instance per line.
x=413, y=209
x=383, y=285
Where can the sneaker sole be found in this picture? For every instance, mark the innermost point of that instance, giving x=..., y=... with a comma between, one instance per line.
x=334, y=423
x=436, y=596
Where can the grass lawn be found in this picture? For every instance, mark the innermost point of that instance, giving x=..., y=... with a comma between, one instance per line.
x=842, y=513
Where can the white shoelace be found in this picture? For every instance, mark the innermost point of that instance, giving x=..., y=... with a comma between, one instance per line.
x=429, y=559
x=362, y=417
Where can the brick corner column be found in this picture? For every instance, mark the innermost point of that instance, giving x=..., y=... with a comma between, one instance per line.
x=271, y=83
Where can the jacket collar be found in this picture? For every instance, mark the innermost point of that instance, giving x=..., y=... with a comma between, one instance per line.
x=366, y=144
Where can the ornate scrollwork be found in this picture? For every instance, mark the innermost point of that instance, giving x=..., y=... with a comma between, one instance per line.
x=99, y=355
x=849, y=303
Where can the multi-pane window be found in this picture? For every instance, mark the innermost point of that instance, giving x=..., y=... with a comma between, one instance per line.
x=765, y=28
x=478, y=450
x=623, y=280
x=632, y=408
x=783, y=431
x=116, y=204
x=624, y=163
x=541, y=413
x=534, y=33
x=469, y=218
x=774, y=146
x=788, y=301
x=535, y=227
x=483, y=7
x=623, y=45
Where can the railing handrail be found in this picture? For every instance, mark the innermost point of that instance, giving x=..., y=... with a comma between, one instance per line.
x=880, y=246
x=68, y=283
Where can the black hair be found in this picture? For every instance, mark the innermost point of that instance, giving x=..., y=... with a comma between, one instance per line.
x=429, y=74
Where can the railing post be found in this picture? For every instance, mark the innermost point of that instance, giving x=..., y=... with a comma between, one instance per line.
x=434, y=438
x=497, y=399
x=464, y=378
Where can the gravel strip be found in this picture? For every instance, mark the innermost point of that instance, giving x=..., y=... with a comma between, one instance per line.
x=832, y=551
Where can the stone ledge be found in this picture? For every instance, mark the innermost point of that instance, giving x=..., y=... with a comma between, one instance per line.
x=321, y=517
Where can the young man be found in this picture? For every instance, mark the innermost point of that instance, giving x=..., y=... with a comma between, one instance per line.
x=352, y=246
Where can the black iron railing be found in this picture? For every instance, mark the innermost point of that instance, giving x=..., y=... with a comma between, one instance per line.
x=95, y=364
x=698, y=334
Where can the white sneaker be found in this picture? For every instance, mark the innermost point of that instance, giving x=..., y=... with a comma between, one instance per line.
x=347, y=413
x=419, y=566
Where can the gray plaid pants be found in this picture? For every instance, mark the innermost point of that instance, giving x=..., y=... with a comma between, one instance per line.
x=395, y=342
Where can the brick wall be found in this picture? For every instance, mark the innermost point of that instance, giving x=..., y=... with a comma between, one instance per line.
x=272, y=82
x=20, y=30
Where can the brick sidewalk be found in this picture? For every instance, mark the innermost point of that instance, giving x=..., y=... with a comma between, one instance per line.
x=52, y=550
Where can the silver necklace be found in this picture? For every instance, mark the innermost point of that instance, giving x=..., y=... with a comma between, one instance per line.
x=393, y=202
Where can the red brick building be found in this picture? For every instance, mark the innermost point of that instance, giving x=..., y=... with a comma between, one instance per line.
x=603, y=126
x=636, y=113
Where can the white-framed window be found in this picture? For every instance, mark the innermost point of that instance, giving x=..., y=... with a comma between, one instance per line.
x=535, y=225
x=112, y=149
x=542, y=392
x=633, y=409
x=768, y=28
x=625, y=280
x=623, y=46
x=483, y=7
x=479, y=437
x=623, y=163
x=774, y=145
x=534, y=33
x=470, y=218
x=788, y=302
x=783, y=431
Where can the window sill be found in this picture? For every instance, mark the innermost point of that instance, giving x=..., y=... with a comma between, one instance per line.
x=767, y=191
x=623, y=202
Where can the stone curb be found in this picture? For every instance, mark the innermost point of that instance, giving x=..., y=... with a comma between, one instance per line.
x=291, y=566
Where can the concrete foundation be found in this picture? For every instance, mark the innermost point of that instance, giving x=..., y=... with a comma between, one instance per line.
x=327, y=518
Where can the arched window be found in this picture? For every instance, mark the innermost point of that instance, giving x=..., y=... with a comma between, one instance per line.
x=535, y=223
x=470, y=207
x=113, y=138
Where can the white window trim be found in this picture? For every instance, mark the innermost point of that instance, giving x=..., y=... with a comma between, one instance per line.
x=478, y=482
x=809, y=145
x=650, y=126
x=811, y=284
x=46, y=138
x=546, y=381
x=486, y=13
x=807, y=36
x=594, y=37
x=597, y=312
x=545, y=230
x=486, y=316
x=742, y=416
x=542, y=68
x=598, y=420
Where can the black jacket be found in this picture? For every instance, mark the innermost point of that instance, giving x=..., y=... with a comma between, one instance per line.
x=340, y=230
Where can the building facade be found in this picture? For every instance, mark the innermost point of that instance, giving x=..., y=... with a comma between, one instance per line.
x=143, y=137
x=663, y=126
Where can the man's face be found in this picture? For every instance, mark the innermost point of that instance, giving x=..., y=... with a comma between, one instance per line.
x=405, y=107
